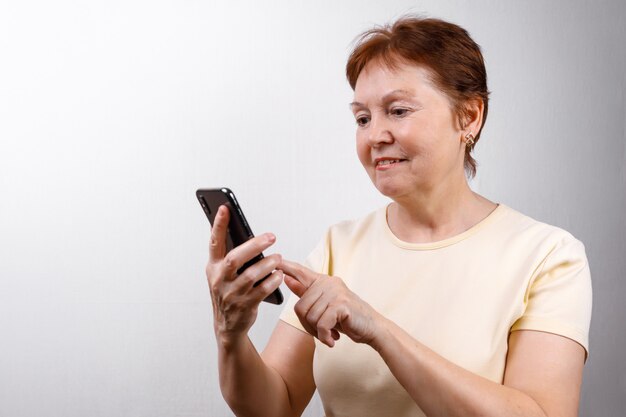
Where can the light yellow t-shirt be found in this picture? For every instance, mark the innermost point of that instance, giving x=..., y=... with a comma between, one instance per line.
x=461, y=297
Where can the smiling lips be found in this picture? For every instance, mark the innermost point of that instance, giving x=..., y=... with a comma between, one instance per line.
x=387, y=163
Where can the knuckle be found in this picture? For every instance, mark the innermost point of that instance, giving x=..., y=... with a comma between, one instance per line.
x=213, y=242
x=299, y=309
x=321, y=328
x=271, y=282
x=267, y=281
x=310, y=317
x=229, y=263
x=247, y=278
x=266, y=285
x=276, y=260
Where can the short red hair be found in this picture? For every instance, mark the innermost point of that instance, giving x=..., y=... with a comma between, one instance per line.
x=453, y=58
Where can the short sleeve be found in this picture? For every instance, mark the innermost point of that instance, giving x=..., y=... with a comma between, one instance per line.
x=559, y=298
x=316, y=261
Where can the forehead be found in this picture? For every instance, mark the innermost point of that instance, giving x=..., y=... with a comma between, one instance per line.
x=378, y=78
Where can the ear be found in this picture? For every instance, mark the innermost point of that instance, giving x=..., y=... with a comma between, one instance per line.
x=472, y=118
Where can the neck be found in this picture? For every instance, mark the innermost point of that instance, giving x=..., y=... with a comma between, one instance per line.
x=438, y=213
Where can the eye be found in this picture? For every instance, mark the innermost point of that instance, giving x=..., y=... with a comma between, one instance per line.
x=362, y=120
x=399, y=111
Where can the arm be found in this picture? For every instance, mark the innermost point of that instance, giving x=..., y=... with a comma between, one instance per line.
x=250, y=386
x=289, y=353
x=542, y=376
x=277, y=383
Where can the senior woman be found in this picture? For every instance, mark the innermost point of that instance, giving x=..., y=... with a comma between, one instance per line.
x=442, y=303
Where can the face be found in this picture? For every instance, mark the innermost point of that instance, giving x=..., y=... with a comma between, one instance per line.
x=408, y=138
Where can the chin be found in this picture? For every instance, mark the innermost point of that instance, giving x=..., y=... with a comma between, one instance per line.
x=390, y=190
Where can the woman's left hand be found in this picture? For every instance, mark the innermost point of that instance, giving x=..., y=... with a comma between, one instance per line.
x=327, y=307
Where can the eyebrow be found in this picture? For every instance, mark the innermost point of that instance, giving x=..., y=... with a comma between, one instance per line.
x=385, y=98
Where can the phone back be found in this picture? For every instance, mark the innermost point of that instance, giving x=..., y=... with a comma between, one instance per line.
x=238, y=228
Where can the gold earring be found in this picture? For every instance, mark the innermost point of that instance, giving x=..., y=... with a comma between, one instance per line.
x=469, y=139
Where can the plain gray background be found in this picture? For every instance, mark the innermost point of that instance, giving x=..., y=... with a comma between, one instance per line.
x=113, y=112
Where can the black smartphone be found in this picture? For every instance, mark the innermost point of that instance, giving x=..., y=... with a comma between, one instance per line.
x=238, y=229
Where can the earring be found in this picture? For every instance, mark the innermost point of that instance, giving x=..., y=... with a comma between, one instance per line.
x=469, y=139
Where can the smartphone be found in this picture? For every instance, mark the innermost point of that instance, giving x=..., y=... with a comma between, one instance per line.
x=238, y=229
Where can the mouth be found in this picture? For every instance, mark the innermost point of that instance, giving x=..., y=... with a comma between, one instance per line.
x=387, y=163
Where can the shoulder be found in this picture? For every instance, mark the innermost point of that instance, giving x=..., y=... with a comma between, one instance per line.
x=525, y=231
x=341, y=238
x=350, y=231
x=558, y=296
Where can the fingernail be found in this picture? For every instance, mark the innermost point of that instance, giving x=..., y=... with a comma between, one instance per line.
x=271, y=238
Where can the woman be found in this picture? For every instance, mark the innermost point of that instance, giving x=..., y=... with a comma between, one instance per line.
x=442, y=303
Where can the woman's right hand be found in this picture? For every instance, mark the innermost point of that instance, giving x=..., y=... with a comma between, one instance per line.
x=235, y=298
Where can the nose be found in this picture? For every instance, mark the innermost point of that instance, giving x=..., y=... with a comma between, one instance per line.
x=378, y=132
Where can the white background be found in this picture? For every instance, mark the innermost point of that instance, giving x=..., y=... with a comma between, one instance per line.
x=113, y=112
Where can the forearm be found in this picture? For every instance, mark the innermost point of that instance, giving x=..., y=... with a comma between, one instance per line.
x=441, y=388
x=249, y=386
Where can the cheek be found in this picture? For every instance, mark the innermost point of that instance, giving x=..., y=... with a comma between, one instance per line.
x=440, y=154
x=437, y=140
x=363, y=151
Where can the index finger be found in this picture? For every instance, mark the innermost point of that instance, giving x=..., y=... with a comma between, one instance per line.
x=302, y=274
x=217, y=247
